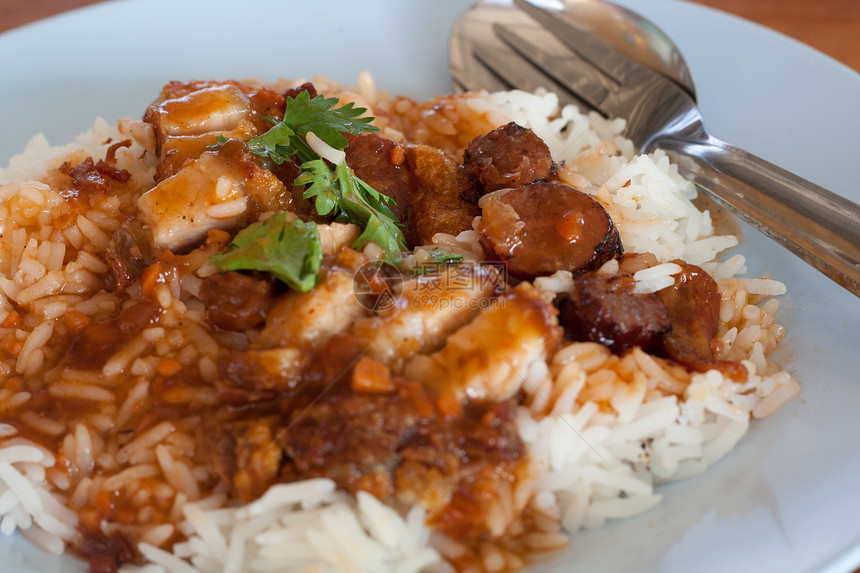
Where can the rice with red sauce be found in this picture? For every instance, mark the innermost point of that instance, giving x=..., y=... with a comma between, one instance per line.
x=92, y=462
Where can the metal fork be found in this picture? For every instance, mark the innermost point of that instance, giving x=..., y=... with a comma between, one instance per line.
x=819, y=226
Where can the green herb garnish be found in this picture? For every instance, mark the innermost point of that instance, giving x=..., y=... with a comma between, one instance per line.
x=337, y=192
x=438, y=257
x=290, y=251
x=303, y=115
x=349, y=199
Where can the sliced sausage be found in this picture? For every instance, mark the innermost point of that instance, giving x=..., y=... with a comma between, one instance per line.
x=604, y=309
x=380, y=163
x=509, y=156
x=693, y=303
x=542, y=228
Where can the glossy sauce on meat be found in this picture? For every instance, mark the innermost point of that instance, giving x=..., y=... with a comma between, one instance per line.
x=438, y=185
x=541, y=228
x=236, y=301
x=413, y=404
x=604, y=309
x=693, y=303
x=394, y=442
x=509, y=156
x=381, y=163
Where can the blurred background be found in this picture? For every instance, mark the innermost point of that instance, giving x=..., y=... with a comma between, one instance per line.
x=830, y=26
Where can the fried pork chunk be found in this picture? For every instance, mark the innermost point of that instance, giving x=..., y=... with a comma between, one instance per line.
x=488, y=358
x=430, y=308
x=297, y=326
x=187, y=121
x=219, y=190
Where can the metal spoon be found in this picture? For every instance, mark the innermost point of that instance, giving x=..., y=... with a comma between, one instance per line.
x=496, y=48
x=626, y=31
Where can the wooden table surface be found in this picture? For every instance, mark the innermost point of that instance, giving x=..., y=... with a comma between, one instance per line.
x=831, y=26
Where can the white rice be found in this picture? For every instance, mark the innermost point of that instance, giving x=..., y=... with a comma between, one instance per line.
x=660, y=428
x=302, y=526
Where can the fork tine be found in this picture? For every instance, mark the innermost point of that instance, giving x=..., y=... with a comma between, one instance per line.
x=518, y=73
x=478, y=77
x=558, y=63
x=594, y=50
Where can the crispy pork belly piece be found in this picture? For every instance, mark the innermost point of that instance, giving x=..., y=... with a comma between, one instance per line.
x=190, y=118
x=380, y=163
x=215, y=108
x=437, y=187
x=218, y=190
x=429, y=188
x=298, y=326
x=430, y=308
x=179, y=150
x=488, y=358
x=245, y=454
x=334, y=236
x=308, y=320
x=206, y=194
x=353, y=438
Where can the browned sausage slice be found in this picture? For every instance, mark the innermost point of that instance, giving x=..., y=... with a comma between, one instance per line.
x=509, y=156
x=380, y=163
x=542, y=228
x=694, y=311
x=604, y=309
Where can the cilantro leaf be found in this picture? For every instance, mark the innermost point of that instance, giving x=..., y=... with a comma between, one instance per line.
x=347, y=198
x=290, y=251
x=438, y=258
x=322, y=185
x=276, y=143
x=336, y=192
x=303, y=115
x=439, y=255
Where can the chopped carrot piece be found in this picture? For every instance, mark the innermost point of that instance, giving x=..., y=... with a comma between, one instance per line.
x=76, y=320
x=423, y=406
x=168, y=367
x=397, y=155
x=13, y=346
x=13, y=319
x=449, y=404
x=371, y=376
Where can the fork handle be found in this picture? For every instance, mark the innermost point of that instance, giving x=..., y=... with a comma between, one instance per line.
x=819, y=226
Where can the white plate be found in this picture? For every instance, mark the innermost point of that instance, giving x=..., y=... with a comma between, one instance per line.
x=787, y=499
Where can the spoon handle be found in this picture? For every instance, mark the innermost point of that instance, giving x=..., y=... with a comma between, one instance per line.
x=819, y=226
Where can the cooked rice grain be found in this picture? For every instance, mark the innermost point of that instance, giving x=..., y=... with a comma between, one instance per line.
x=638, y=420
